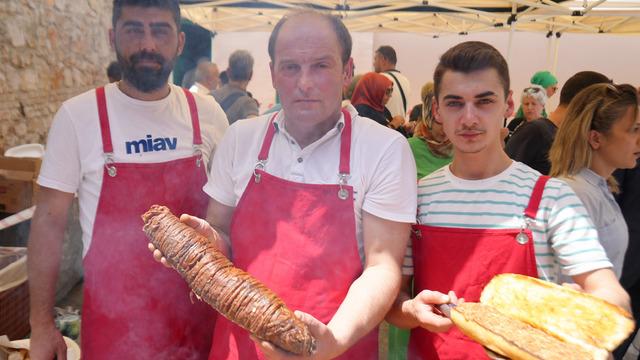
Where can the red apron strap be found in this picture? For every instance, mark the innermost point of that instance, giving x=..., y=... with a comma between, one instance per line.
x=107, y=146
x=536, y=196
x=195, y=120
x=345, y=144
x=266, y=143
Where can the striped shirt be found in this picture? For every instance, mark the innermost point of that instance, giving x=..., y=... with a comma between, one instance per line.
x=565, y=239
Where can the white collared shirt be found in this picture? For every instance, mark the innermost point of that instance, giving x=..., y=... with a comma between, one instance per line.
x=383, y=171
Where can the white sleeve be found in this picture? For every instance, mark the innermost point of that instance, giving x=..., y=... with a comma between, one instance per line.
x=60, y=168
x=392, y=194
x=220, y=185
x=573, y=237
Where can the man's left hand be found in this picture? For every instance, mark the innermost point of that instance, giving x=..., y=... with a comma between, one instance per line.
x=326, y=344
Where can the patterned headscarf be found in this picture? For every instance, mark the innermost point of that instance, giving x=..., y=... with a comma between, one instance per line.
x=424, y=129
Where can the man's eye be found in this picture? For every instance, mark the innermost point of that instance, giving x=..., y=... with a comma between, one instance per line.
x=454, y=104
x=485, y=101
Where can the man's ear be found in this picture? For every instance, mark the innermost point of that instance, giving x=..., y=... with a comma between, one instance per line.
x=181, y=40
x=435, y=110
x=112, y=39
x=510, y=105
x=347, y=72
x=273, y=81
x=595, y=139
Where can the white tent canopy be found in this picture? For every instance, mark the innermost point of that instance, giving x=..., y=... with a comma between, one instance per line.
x=432, y=17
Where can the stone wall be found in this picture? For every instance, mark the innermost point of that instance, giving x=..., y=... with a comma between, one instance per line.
x=51, y=51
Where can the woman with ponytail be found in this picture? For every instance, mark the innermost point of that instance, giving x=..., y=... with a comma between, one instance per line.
x=600, y=133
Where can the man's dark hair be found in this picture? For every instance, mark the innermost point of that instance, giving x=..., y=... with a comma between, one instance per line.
x=341, y=31
x=171, y=5
x=114, y=71
x=472, y=56
x=388, y=53
x=224, y=78
x=240, y=66
x=416, y=113
x=578, y=82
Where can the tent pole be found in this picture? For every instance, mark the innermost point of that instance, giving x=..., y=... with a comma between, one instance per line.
x=555, y=56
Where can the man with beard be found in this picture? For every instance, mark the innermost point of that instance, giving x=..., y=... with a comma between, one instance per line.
x=121, y=148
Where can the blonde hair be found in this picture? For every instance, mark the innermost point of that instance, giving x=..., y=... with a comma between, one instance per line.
x=597, y=108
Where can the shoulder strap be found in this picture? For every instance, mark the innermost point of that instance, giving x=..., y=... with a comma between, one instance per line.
x=230, y=100
x=404, y=99
x=536, y=196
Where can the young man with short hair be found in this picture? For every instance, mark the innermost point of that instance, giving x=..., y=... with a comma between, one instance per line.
x=485, y=214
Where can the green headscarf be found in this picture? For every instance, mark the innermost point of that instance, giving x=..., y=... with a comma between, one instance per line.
x=544, y=79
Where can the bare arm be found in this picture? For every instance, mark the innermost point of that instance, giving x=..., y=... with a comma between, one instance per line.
x=43, y=263
x=604, y=284
x=369, y=297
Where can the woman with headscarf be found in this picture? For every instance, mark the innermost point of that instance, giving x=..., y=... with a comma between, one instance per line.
x=600, y=133
x=430, y=146
x=370, y=95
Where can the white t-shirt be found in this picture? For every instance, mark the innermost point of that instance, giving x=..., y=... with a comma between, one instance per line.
x=564, y=238
x=74, y=158
x=395, y=105
x=383, y=171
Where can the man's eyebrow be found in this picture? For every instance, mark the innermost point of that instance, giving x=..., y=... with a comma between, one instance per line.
x=485, y=94
x=454, y=97
x=133, y=23
x=136, y=23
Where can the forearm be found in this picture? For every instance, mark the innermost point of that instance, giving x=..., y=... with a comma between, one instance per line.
x=604, y=284
x=400, y=314
x=43, y=263
x=368, y=300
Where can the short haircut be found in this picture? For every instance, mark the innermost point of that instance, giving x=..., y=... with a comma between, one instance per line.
x=240, y=66
x=388, y=53
x=578, y=82
x=341, y=31
x=171, y=5
x=472, y=56
x=114, y=71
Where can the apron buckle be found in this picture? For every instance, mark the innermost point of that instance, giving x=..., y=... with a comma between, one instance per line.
x=197, y=152
x=259, y=166
x=109, y=165
x=343, y=194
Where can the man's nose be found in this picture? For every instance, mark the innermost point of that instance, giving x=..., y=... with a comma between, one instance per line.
x=305, y=82
x=469, y=115
x=147, y=42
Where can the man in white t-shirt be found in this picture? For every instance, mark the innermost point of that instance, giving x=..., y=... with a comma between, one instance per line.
x=485, y=214
x=122, y=148
x=384, y=62
x=316, y=200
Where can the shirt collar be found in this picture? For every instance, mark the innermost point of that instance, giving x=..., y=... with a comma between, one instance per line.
x=278, y=122
x=594, y=179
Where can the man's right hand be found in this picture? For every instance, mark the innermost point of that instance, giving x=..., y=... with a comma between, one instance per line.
x=199, y=225
x=47, y=343
x=422, y=308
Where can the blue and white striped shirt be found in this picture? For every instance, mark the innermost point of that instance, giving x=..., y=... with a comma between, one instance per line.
x=565, y=239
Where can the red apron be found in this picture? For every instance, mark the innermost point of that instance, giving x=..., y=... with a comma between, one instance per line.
x=300, y=240
x=465, y=260
x=134, y=308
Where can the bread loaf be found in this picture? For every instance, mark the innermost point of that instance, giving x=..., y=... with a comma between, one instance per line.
x=526, y=318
